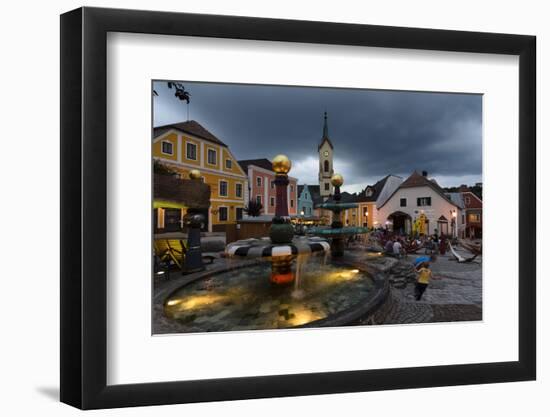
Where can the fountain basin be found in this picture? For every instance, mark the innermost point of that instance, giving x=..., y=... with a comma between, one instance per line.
x=264, y=248
x=338, y=231
x=241, y=299
x=337, y=206
x=281, y=255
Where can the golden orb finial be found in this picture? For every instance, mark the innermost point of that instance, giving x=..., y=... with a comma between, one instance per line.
x=281, y=164
x=337, y=180
x=194, y=174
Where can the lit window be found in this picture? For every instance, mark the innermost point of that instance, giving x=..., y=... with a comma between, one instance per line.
x=228, y=163
x=191, y=151
x=238, y=190
x=212, y=157
x=167, y=148
x=474, y=218
x=223, y=188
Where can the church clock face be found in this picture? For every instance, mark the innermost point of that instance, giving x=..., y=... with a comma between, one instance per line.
x=325, y=153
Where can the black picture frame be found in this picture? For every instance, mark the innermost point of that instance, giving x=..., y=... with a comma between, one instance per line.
x=84, y=207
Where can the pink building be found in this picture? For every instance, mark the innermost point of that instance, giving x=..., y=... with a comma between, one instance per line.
x=262, y=188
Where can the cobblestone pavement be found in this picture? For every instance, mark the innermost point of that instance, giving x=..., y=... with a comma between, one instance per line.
x=454, y=294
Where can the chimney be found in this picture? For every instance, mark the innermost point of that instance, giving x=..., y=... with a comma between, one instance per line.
x=424, y=173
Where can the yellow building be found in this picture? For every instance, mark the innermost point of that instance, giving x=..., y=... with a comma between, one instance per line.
x=188, y=145
x=366, y=214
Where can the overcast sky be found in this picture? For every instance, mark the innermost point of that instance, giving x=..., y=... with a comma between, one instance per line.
x=374, y=132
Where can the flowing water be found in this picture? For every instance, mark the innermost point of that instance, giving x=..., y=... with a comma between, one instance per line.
x=244, y=299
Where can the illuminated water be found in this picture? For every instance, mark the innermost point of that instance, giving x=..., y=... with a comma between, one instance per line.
x=244, y=299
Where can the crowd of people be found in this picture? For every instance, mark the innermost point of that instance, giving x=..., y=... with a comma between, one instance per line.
x=399, y=246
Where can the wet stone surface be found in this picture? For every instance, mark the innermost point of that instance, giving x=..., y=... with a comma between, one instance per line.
x=454, y=294
x=244, y=299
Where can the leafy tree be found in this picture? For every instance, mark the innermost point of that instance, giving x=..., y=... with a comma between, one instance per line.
x=180, y=92
x=160, y=168
x=254, y=208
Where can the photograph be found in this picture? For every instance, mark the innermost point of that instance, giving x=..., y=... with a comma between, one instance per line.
x=280, y=207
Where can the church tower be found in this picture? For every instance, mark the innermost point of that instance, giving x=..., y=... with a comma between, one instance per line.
x=326, y=169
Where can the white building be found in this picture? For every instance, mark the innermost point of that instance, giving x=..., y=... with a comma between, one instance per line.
x=417, y=195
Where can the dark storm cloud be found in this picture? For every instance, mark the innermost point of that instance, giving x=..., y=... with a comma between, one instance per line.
x=374, y=133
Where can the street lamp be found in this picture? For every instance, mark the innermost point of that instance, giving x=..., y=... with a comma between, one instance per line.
x=453, y=222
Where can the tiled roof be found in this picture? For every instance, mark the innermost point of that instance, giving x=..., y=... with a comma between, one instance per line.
x=262, y=163
x=456, y=198
x=418, y=180
x=190, y=127
x=376, y=190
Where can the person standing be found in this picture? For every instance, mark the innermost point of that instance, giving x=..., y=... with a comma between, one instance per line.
x=388, y=248
x=422, y=280
x=397, y=247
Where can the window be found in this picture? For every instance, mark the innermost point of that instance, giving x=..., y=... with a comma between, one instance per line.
x=467, y=200
x=272, y=184
x=239, y=213
x=423, y=201
x=228, y=163
x=259, y=181
x=223, y=188
x=167, y=148
x=259, y=199
x=474, y=218
x=369, y=192
x=291, y=203
x=272, y=201
x=191, y=151
x=403, y=202
x=327, y=186
x=212, y=156
x=222, y=214
x=291, y=188
x=326, y=166
x=238, y=190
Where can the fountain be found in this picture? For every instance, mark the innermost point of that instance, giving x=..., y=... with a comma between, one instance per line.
x=337, y=232
x=281, y=247
x=276, y=281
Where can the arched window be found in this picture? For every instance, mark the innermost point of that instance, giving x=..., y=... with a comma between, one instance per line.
x=326, y=166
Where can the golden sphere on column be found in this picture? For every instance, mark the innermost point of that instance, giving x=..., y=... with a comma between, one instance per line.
x=194, y=174
x=281, y=164
x=337, y=180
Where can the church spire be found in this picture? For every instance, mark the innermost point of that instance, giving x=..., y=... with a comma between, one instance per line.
x=325, y=133
x=325, y=127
